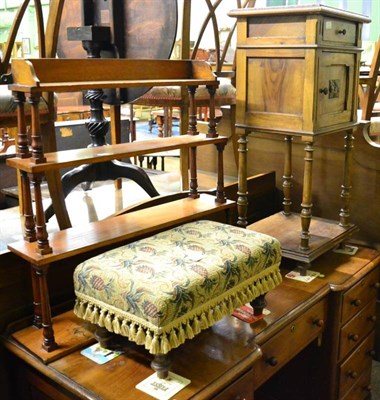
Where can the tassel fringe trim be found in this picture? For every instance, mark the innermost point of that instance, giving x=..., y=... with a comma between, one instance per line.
x=160, y=340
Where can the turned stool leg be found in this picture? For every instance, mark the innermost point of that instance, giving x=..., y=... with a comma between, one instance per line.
x=104, y=337
x=258, y=304
x=161, y=364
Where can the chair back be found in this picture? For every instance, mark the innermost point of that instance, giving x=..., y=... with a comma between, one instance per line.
x=47, y=40
x=222, y=66
x=369, y=86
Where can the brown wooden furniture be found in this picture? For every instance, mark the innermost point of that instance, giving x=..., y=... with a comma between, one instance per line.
x=292, y=353
x=32, y=78
x=47, y=45
x=297, y=74
x=369, y=86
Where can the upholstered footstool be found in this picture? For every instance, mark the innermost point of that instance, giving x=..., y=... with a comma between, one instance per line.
x=164, y=289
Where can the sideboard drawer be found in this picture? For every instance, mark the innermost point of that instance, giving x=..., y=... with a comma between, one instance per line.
x=358, y=362
x=356, y=298
x=339, y=31
x=357, y=329
x=282, y=347
x=362, y=388
x=241, y=389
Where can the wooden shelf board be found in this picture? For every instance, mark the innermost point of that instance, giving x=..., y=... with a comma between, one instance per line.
x=122, y=228
x=93, y=155
x=71, y=332
x=324, y=235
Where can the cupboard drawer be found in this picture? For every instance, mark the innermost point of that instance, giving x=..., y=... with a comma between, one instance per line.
x=362, y=389
x=241, y=389
x=357, y=329
x=360, y=294
x=358, y=362
x=339, y=31
x=282, y=347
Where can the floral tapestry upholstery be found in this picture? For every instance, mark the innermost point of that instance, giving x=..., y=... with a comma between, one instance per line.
x=164, y=289
x=170, y=95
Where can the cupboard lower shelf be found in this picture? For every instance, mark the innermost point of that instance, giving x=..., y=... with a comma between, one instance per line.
x=324, y=235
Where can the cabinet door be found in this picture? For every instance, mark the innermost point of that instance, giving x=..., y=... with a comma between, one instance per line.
x=335, y=91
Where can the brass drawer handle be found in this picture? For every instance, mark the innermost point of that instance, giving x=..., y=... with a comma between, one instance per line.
x=356, y=302
x=272, y=361
x=319, y=322
x=354, y=337
x=372, y=318
x=324, y=91
x=368, y=388
x=342, y=31
x=352, y=374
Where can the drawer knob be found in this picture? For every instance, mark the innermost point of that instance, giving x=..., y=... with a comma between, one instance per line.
x=372, y=353
x=324, y=91
x=319, y=322
x=372, y=318
x=376, y=285
x=342, y=31
x=352, y=374
x=368, y=388
x=354, y=337
x=272, y=361
x=356, y=302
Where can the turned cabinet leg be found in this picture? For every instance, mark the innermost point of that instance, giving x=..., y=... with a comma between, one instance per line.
x=161, y=364
x=307, y=196
x=287, y=178
x=345, y=195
